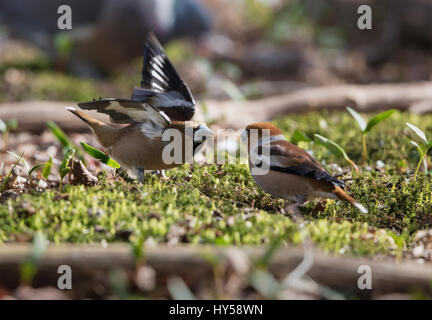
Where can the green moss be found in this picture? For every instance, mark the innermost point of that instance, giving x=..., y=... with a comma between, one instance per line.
x=394, y=202
x=57, y=86
x=212, y=204
x=222, y=205
x=23, y=57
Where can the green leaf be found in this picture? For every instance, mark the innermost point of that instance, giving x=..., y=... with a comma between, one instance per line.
x=28, y=268
x=419, y=148
x=3, y=127
x=35, y=168
x=63, y=42
x=265, y=283
x=12, y=124
x=331, y=146
x=47, y=169
x=378, y=118
x=95, y=153
x=5, y=180
x=179, y=289
x=38, y=247
x=420, y=133
x=232, y=90
x=299, y=136
x=59, y=134
x=21, y=159
x=357, y=117
x=429, y=144
x=64, y=166
x=112, y=163
x=264, y=260
x=99, y=155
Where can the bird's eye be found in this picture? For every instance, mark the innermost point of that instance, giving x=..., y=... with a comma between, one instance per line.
x=201, y=133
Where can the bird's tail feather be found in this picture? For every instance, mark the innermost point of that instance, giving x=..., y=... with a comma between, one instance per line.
x=345, y=197
x=89, y=120
x=106, y=134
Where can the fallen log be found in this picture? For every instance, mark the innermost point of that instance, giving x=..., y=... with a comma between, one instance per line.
x=364, y=98
x=32, y=115
x=190, y=262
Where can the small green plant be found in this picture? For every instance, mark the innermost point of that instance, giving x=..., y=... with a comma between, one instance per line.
x=119, y=283
x=299, y=136
x=100, y=155
x=64, y=140
x=29, y=267
x=335, y=149
x=265, y=283
x=422, y=148
x=47, y=169
x=12, y=124
x=366, y=127
x=232, y=90
x=26, y=165
x=64, y=168
x=138, y=250
x=60, y=135
x=6, y=180
x=63, y=43
x=179, y=290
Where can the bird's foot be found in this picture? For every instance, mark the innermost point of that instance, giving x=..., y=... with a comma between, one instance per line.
x=292, y=209
x=162, y=174
x=140, y=174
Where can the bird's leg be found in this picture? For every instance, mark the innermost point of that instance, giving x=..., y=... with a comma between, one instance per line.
x=162, y=174
x=140, y=174
x=293, y=209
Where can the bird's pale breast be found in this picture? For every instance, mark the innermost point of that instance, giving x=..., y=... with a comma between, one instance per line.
x=288, y=186
x=134, y=149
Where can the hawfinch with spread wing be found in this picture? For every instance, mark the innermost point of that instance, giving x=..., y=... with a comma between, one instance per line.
x=289, y=172
x=163, y=102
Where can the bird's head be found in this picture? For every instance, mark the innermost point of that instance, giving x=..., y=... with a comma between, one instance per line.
x=200, y=132
x=258, y=130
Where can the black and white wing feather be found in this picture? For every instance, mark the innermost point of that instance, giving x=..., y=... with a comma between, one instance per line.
x=301, y=163
x=161, y=85
x=128, y=111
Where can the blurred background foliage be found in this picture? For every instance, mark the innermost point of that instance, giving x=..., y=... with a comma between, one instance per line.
x=223, y=49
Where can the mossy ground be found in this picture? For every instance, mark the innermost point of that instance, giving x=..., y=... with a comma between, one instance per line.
x=222, y=205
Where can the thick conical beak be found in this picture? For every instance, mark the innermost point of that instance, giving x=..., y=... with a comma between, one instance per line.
x=202, y=133
x=244, y=136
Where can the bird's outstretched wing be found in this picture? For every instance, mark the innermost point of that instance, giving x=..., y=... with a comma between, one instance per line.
x=161, y=85
x=127, y=111
x=288, y=158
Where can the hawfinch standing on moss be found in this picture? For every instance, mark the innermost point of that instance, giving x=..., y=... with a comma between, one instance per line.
x=287, y=171
x=163, y=102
